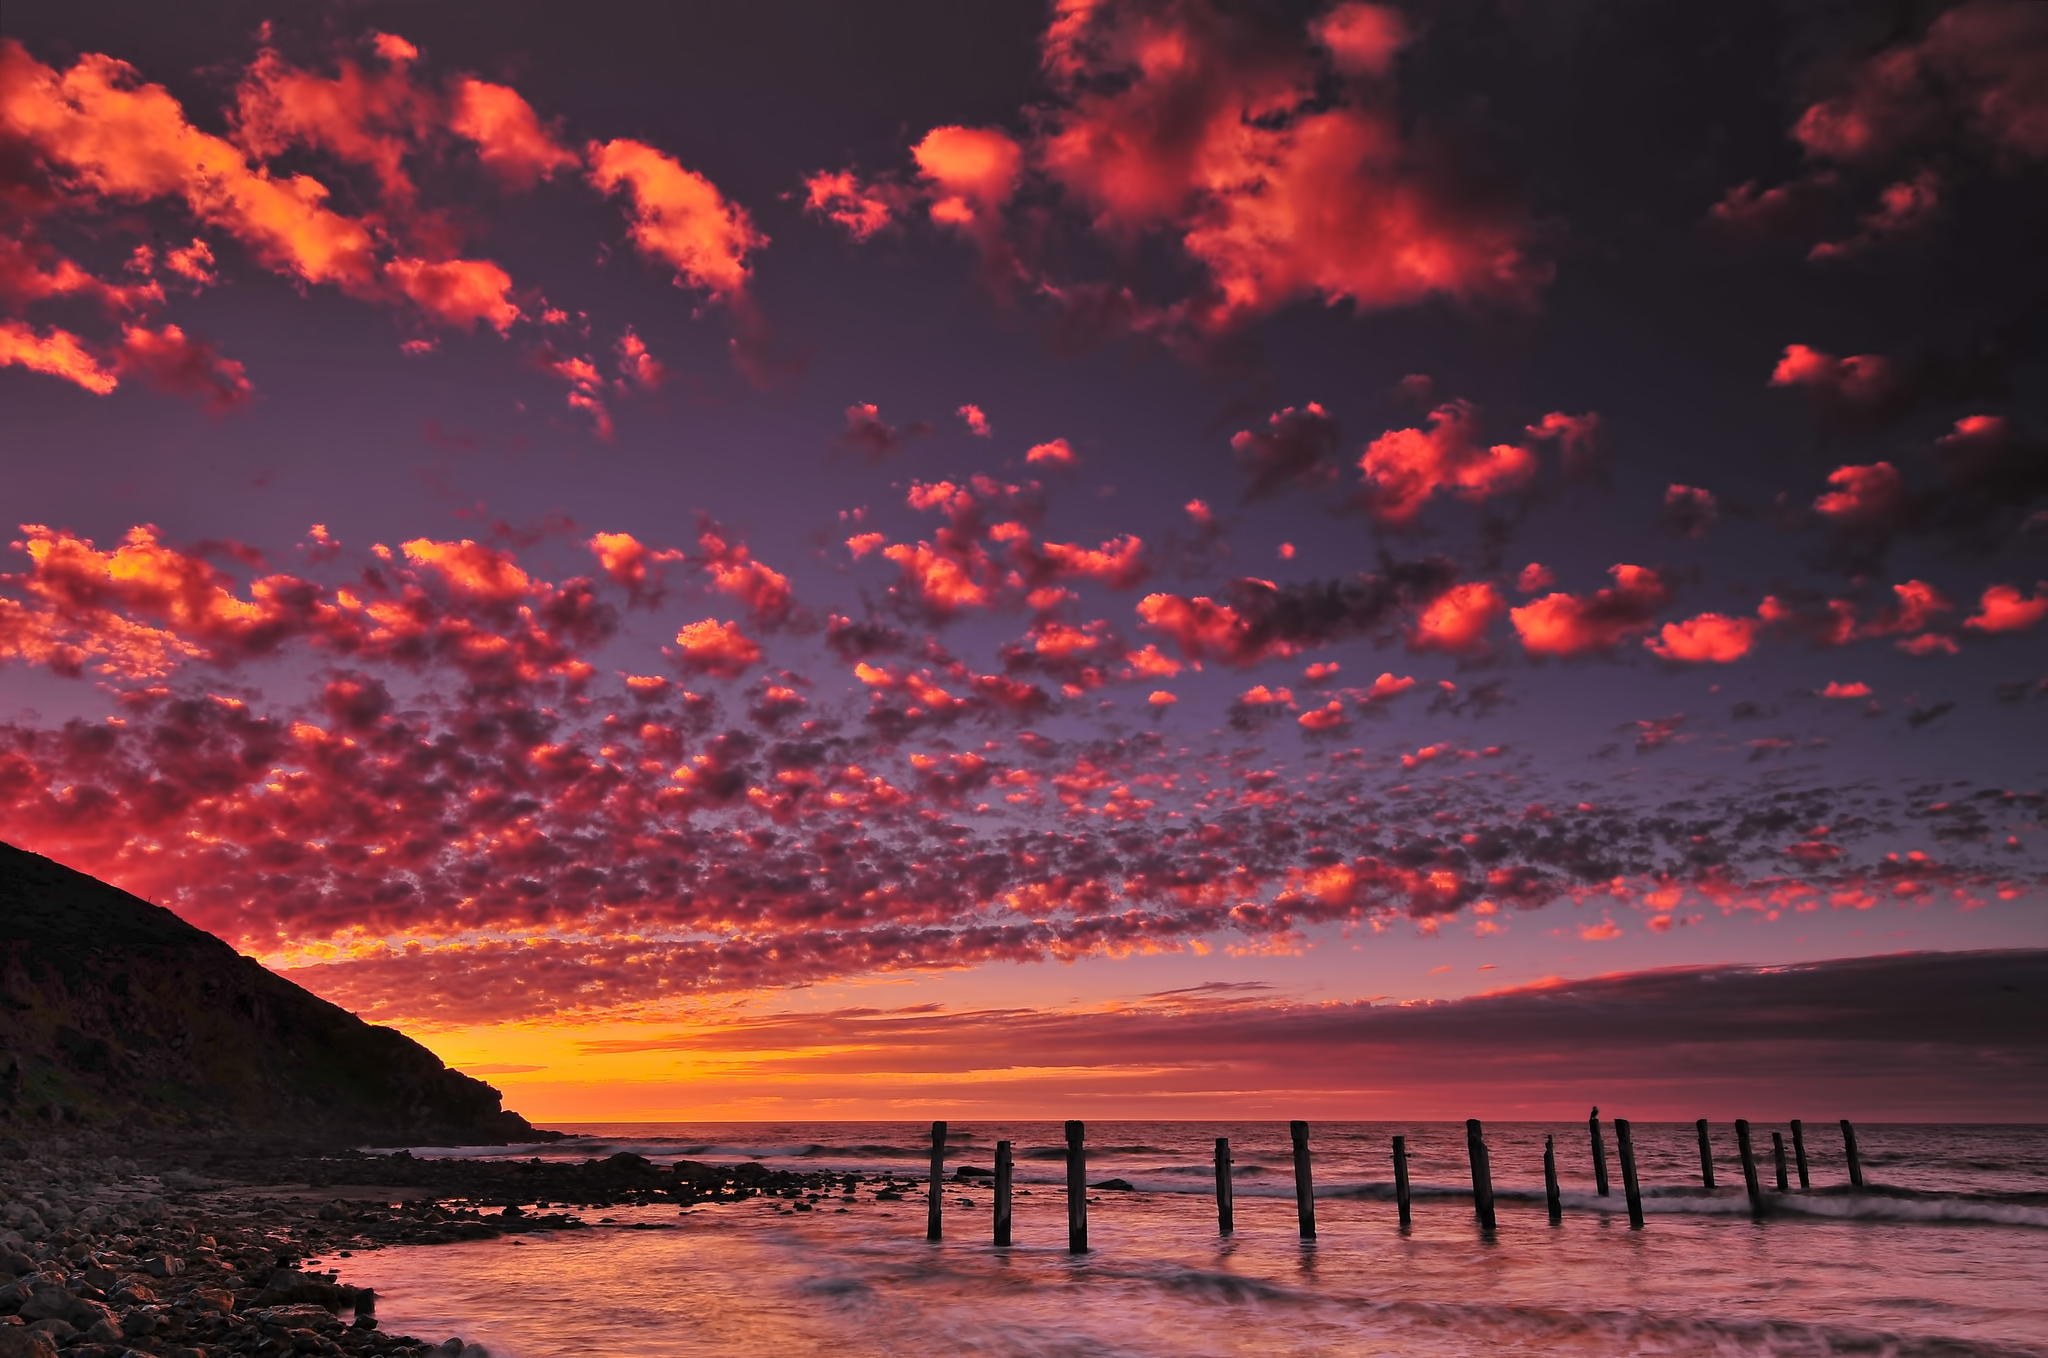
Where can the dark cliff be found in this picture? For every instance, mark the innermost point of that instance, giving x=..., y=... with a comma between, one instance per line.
x=117, y=1014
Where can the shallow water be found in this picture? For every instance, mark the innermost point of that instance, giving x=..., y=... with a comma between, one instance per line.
x=1945, y=1254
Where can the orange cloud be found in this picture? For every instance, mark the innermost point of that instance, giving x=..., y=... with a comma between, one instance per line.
x=974, y=169
x=117, y=137
x=678, y=216
x=363, y=117
x=715, y=648
x=510, y=139
x=472, y=569
x=56, y=352
x=457, y=292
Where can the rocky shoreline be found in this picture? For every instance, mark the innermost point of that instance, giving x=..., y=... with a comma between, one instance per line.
x=200, y=1249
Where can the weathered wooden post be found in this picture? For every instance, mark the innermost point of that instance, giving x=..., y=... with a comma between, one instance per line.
x=1551, y=1198
x=1599, y=1153
x=1778, y=1156
x=1799, y=1154
x=1077, y=1189
x=1226, y=1214
x=1629, y=1186
x=1304, y=1182
x=1005, y=1173
x=1749, y=1181
x=1706, y=1156
x=1482, y=1172
x=1401, y=1179
x=1849, y=1149
x=931, y=1216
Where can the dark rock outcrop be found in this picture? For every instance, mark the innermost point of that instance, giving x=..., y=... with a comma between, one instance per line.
x=115, y=1013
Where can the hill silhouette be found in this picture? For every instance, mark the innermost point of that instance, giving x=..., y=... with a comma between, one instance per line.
x=115, y=1013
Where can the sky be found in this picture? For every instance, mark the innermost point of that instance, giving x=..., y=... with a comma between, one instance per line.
x=1108, y=559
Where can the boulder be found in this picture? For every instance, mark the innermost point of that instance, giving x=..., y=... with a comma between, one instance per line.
x=18, y=1342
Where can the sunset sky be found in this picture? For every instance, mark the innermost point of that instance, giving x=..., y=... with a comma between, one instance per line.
x=1120, y=559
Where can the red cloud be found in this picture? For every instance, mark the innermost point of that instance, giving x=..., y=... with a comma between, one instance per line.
x=1862, y=495
x=1362, y=39
x=1298, y=446
x=1207, y=630
x=2004, y=609
x=977, y=420
x=868, y=431
x=640, y=367
x=1457, y=620
x=863, y=209
x=1052, y=453
x=734, y=571
x=1176, y=118
x=1710, y=638
x=1568, y=625
x=1690, y=511
x=1981, y=61
x=1405, y=468
x=1858, y=381
x=186, y=366
x=678, y=216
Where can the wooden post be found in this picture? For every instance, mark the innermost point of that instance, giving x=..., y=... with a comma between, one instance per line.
x=1749, y=1181
x=1778, y=1155
x=1799, y=1154
x=1005, y=1172
x=1551, y=1199
x=1482, y=1173
x=1626, y=1146
x=931, y=1216
x=1077, y=1190
x=1599, y=1153
x=1226, y=1214
x=1706, y=1156
x=1304, y=1182
x=1849, y=1149
x=1401, y=1179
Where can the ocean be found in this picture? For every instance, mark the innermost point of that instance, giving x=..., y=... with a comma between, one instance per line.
x=1943, y=1253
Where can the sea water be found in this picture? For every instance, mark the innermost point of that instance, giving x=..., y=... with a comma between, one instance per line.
x=1943, y=1254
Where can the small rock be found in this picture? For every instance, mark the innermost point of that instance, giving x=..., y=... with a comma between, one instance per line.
x=1120, y=1185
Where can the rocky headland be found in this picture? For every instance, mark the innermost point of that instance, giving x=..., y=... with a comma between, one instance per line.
x=177, y=1134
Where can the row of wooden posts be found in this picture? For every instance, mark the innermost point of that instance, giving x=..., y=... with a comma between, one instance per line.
x=1476, y=1152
